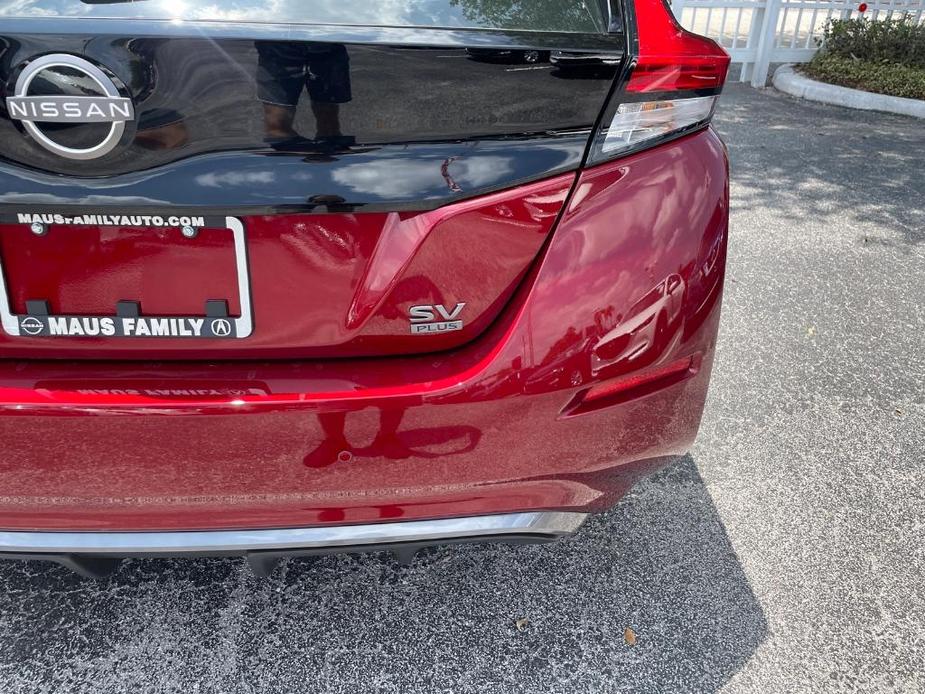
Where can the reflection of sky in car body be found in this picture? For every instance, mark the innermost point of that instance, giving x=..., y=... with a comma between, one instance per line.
x=286, y=179
x=402, y=178
x=536, y=15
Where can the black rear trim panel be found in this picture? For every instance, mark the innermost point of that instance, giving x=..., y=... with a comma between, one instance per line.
x=253, y=118
x=267, y=182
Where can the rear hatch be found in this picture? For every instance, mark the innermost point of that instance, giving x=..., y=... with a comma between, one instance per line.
x=256, y=179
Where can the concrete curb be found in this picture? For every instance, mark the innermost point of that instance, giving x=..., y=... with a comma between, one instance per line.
x=787, y=80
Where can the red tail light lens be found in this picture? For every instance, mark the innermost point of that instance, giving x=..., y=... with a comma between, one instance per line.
x=674, y=78
x=631, y=384
x=619, y=390
x=671, y=58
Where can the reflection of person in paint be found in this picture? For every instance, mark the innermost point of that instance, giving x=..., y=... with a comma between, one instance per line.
x=285, y=69
x=386, y=443
x=160, y=127
x=336, y=448
x=389, y=442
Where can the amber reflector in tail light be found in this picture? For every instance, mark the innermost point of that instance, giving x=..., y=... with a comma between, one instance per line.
x=635, y=122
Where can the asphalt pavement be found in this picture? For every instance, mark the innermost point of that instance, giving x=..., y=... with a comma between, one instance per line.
x=785, y=554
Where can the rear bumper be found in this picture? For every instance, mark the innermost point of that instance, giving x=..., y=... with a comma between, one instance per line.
x=123, y=450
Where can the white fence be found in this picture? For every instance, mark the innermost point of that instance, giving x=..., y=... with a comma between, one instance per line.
x=757, y=33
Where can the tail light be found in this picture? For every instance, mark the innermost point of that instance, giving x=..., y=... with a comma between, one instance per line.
x=669, y=86
x=615, y=391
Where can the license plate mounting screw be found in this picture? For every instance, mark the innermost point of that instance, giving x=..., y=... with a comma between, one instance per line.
x=189, y=231
x=38, y=228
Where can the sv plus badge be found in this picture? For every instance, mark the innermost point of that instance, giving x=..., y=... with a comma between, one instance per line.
x=435, y=318
x=65, y=89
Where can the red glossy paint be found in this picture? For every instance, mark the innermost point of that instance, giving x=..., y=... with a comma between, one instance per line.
x=323, y=285
x=629, y=283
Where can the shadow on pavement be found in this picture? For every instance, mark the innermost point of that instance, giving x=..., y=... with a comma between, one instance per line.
x=475, y=618
x=809, y=160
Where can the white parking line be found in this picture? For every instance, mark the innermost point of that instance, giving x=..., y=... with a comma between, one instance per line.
x=532, y=67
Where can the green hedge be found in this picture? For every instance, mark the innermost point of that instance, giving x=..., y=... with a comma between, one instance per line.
x=883, y=78
x=887, y=57
x=898, y=41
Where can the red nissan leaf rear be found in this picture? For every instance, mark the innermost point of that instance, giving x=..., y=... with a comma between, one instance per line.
x=280, y=278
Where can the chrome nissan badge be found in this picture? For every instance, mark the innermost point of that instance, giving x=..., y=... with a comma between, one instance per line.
x=64, y=89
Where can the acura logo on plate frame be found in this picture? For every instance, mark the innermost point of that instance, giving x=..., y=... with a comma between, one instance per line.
x=108, y=106
x=221, y=327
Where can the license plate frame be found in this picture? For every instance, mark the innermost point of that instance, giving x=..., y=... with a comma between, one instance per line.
x=130, y=324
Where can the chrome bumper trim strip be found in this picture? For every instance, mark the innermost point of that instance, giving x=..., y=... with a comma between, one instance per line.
x=541, y=523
